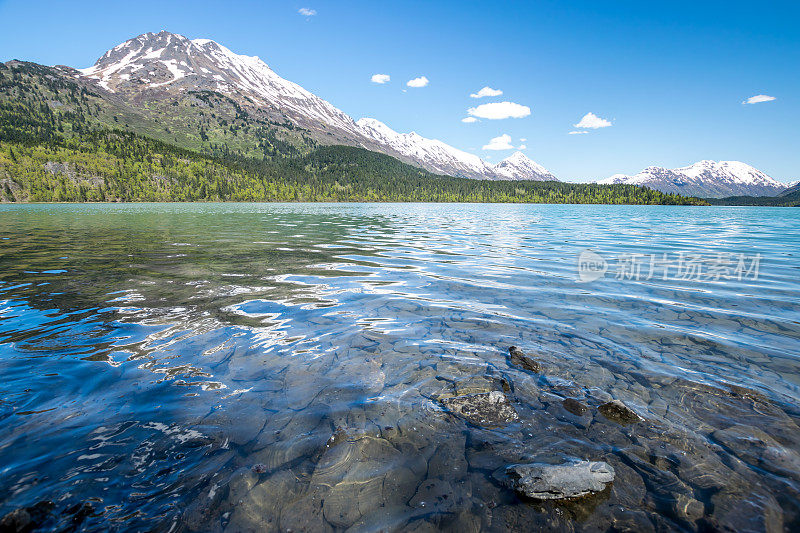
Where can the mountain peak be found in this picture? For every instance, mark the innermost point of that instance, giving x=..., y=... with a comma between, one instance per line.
x=169, y=62
x=517, y=156
x=518, y=166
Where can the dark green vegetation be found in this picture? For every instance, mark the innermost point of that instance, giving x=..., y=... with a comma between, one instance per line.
x=788, y=198
x=62, y=140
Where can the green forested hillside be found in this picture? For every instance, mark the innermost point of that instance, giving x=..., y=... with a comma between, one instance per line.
x=60, y=141
x=789, y=198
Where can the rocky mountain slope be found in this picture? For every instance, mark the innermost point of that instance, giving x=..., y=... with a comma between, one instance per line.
x=705, y=179
x=162, y=68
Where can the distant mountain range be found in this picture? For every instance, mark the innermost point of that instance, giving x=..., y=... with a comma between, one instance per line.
x=197, y=95
x=153, y=65
x=705, y=179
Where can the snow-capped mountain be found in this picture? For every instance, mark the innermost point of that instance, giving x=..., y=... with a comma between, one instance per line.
x=519, y=167
x=170, y=62
x=707, y=179
x=439, y=157
x=157, y=65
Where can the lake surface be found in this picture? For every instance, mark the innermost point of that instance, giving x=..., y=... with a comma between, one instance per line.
x=252, y=367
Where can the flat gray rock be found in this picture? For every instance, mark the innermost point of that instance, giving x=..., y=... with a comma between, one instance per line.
x=555, y=482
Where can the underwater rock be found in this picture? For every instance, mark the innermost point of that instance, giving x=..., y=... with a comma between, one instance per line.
x=259, y=468
x=421, y=526
x=487, y=409
x=475, y=385
x=387, y=518
x=574, y=406
x=463, y=522
x=399, y=486
x=754, y=446
x=340, y=505
x=449, y=461
x=240, y=421
x=241, y=482
x=437, y=495
x=542, y=481
x=674, y=498
x=745, y=509
x=202, y=514
x=305, y=513
x=359, y=474
x=287, y=452
x=27, y=518
x=618, y=412
x=17, y=520
x=341, y=460
x=517, y=357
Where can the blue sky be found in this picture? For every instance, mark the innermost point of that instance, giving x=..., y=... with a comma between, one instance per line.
x=670, y=77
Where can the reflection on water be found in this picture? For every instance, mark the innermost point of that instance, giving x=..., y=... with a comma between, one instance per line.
x=263, y=367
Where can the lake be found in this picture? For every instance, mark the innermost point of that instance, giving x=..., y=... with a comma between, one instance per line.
x=257, y=367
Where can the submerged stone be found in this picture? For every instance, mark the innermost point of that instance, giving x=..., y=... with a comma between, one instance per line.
x=752, y=445
x=27, y=518
x=618, y=412
x=437, y=495
x=542, y=481
x=574, y=406
x=517, y=357
x=488, y=409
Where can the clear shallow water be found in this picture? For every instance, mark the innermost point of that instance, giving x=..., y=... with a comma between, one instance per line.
x=255, y=367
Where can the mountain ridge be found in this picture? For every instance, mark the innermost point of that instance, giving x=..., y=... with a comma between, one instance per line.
x=706, y=179
x=151, y=64
x=441, y=157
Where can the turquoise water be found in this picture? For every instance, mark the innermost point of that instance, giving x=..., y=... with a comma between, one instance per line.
x=261, y=367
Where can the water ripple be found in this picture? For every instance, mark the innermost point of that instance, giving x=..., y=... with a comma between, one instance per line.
x=213, y=366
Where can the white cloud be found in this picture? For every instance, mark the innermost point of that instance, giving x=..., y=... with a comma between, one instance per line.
x=306, y=12
x=380, y=78
x=469, y=120
x=422, y=81
x=578, y=132
x=500, y=110
x=523, y=139
x=486, y=91
x=759, y=98
x=522, y=147
x=592, y=121
x=500, y=143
